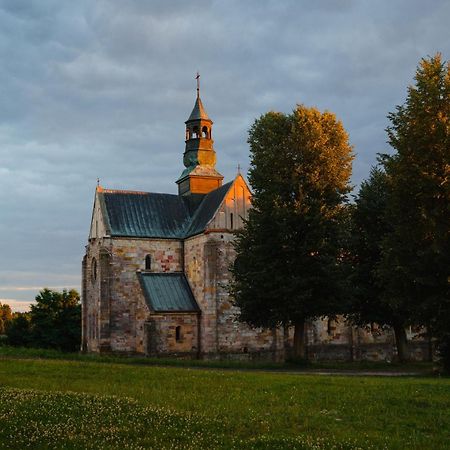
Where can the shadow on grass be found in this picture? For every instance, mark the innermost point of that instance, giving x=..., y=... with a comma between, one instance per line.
x=291, y=365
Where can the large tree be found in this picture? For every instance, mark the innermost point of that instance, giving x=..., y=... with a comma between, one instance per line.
x=370, y=226
x=288, y=267
x=416, y=253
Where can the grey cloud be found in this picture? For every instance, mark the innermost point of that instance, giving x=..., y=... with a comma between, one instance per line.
x=101, y=89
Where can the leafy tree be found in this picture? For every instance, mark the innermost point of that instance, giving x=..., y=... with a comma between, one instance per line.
x=18, y=330
x=370, y=228
x=5, y=317
x=288, y=267
x=416, y=252
x=56, y=320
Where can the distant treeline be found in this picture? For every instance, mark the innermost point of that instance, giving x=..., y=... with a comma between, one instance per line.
x=54, y=321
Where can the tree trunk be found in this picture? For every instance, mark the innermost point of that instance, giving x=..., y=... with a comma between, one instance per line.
x=401, y=341
x=299, y=339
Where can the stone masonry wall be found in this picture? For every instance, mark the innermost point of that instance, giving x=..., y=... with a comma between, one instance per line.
x=207, y=258
x=123, y=313
x=162, y=336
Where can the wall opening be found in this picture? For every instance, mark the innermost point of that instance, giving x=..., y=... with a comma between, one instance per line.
x=178, y=334
x=148, y=262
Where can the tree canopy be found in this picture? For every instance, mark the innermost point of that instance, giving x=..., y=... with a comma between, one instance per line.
x=5, y=317
x=53, y=322
x=287, y=267
x=416, y=253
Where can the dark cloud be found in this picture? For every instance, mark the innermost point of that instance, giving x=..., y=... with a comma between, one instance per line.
x=101, y=89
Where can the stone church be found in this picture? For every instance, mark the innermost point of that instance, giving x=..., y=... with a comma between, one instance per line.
x=155, y=272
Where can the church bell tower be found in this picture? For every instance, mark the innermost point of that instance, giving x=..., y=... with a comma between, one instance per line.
x=200, y=175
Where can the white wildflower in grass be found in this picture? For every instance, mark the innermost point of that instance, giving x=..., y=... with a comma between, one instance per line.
x=67, y=420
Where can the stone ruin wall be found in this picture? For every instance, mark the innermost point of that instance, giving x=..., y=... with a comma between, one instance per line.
x=337, y=340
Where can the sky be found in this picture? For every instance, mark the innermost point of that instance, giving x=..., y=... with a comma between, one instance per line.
x=101, y=89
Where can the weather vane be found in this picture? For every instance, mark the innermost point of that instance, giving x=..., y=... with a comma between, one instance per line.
x=198, y=84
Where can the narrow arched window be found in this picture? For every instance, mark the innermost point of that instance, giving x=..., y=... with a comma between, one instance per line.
x=205, y=132
x=148, y=262
x=195, y=132
x=178, y=334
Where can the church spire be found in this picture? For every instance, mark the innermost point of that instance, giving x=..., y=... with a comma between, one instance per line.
x=200, y=175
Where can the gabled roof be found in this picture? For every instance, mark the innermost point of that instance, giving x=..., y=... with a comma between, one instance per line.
x=167, y=292
x=207, y=209
x=151, y=215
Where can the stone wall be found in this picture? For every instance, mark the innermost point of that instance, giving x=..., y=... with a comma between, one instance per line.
x=162, y=338
x=117, y=319
x=115, y=304
x=207, y=259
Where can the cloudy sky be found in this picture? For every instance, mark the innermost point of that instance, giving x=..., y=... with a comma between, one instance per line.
x=101, y=89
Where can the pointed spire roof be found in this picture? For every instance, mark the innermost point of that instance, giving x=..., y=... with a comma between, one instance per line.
x=199, y=112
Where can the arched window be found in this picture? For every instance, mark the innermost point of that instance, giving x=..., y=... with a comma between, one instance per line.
x=205, y=132
x=195, y=132
x=148, y=262
x=94, y=270
x=178, y=334
x=188, y=134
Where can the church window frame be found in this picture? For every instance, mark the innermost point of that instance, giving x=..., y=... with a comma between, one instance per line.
x=205, y=132
x=195, y=132
x=148, y=262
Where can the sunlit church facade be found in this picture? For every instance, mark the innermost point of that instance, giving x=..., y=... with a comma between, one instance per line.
x=155, y=272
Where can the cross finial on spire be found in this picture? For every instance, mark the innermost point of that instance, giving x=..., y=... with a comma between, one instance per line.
x=198, y=84
x=239, y=169
x=98, y=181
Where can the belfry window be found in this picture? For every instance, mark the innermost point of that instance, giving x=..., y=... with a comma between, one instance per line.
x=205, y=132
x=195, y=132
x=148, y=262
x=178, y=334
x=188, y=134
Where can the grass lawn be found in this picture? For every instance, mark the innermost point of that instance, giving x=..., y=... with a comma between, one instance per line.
x=47, y=403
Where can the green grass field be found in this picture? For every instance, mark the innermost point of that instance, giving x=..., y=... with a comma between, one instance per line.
x=47, y=403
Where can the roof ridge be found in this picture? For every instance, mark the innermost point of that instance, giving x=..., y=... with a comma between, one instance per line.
x=126, y=191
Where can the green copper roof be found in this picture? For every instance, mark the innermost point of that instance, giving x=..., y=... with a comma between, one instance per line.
x=166, y=216
x=168, y=292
